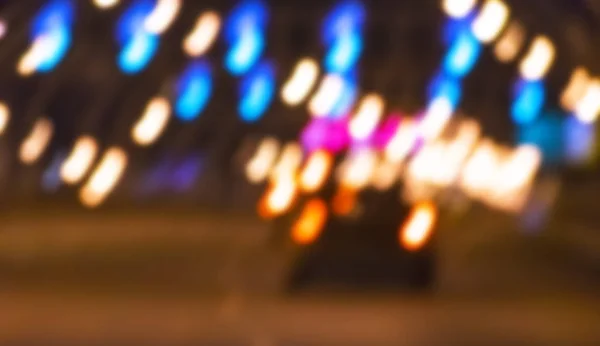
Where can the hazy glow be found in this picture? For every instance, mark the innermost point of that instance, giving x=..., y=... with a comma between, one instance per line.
x=462, y=55
x=326, y=96
x=588, y=107
x=79, y=161
x=509, y=45
x=403, y=142
x=302, y=80
x=106, y=4
x=529, y=100
x=316, y=171
x=279, y=198
x=37, y=141
x=356, y=171
x=257, y=92
x=4, y=117
x=367, y=117
x=193, y=89
x=203, y=35
x=575, y=89
x=104, y=178
x=289, y=162
x=436, y=118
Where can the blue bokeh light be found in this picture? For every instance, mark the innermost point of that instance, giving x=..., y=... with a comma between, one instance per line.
x=55, y=15
x=462, y=55
x=138, y=52
x=257, y=91
x=445, y=86
x=345, y=102
x=245, y=52
x=194, y=89
x=132, y=20
x=528, y=102
x=249, y=15
x=345, y=19
x=344, y=53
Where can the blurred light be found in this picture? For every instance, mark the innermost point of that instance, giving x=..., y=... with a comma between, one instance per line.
x=588, y=107
x=106, y=4
x=325, y=133
x=186, y=174
x=46, y=52
x=244, y=32
x=259, y=166
x=579, y=141
x=57, y=15
x=458, y=8
x=288, y=164
x=447, y=87
x=403, y=142
x=104, y=178
x=37, y=141
x=575, y=89
x=418, y=227
x=316, y=171
x=79, y=161
x=4, y=117
x=3, y=28
x=520, y=168
x=51, y=176
x=131, y=22
x=203, y=35
x=386, y=131
x=347, y=98
x=385, y=175
x=462, y=55
x=310, y=224
x=479, y=172
x=538, y=59
x=546, y=133
x=327, y=95
x=507, y=48
x=344, y=54
x=345, y=19
x=367, y=117
x=278, y=198
x=153, y=122
x=257, y=92
x=344, y=200
x=529, y=100
x=302, y=80
x=138, y=52
x=436, y=118
x=491, y=19
x=163, y=15
x=194, y=89
x=357, y=169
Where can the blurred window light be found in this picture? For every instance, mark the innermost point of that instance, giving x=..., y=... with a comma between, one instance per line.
x=194, y=89
x=510, y=43
x=315, y=172
x=462, y=55
x=357, y=169
x=51, y=177
x=104, y=178
x=436, y=118
x=259, y=166
x=310, y=224
x=106, y=4
x=575, y=89
x=138, y=52
x=385, y=175
x=367, y=117
x=279, y=198
x=325, y=133
x=386, y=131
x=479, y=172
x=54, y=15
x=37, y=141
x=289, y=162
x=248, y=14
x=345, y=19
x=162, y=16
x=587, y=108
x=257, y=92
x=528, y=102
x=203, y=35
x=417, y=229
x=245, y=53
x=153, y=122
x=520, y=168
x=458, y=8
x=403, y=142
x=345, y=102
x=490, y=21
x=538, y=59
x=428, y=165
x=79, y=161
x=300, y=83
x=3, y=28
x=327, y=95
x=546, y=133
x=131, y=22
x=447, y=87
x=343, y=55
x=4, y=117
